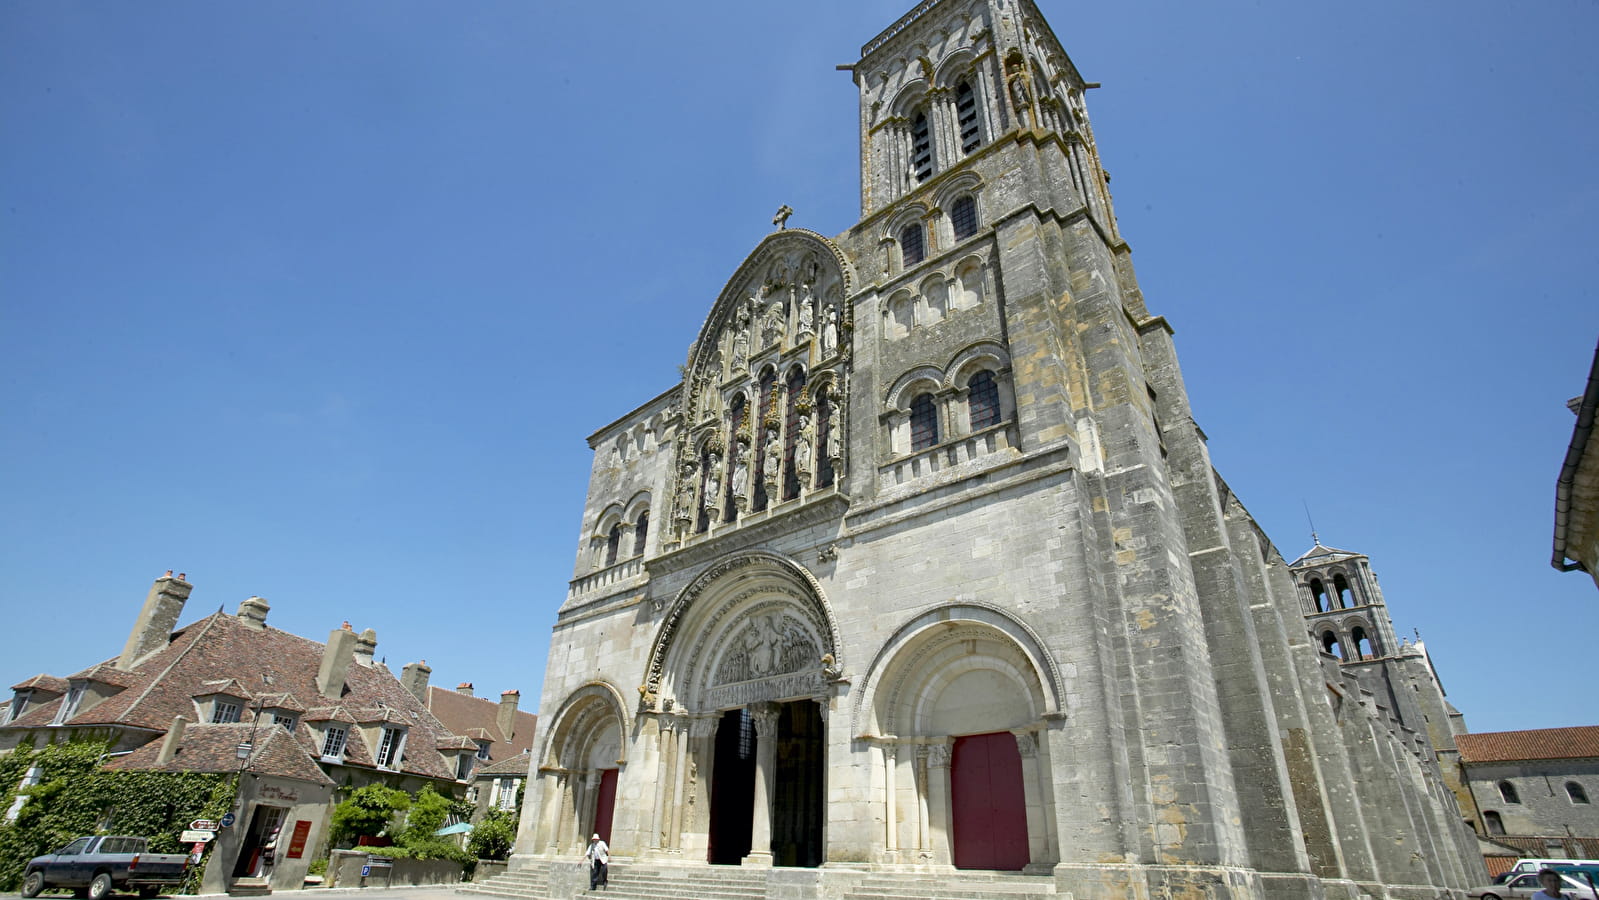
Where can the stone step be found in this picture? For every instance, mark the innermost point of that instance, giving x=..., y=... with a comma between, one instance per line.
x=976, y=886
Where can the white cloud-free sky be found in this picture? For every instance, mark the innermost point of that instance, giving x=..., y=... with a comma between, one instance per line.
x=319, y=301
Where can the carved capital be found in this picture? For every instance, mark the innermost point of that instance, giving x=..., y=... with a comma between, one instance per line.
x=1027, y=744
x=765, y=719
x=938, y=756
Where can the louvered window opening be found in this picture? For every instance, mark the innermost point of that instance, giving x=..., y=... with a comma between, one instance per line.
x=983, y=401
x=911, y=249
x=924, y=422
x=921, y=149
x=966, y=110
x=963, y=216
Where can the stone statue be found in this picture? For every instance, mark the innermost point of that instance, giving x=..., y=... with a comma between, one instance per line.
x=741, y=345
x=774, y=456
x=807, y=309
x=1021, y=93
x=835, y=436
x=830, y=330
x=802, y=446
x=772, y=325
x=741, y=475
x=713, y=482
x=685, y=492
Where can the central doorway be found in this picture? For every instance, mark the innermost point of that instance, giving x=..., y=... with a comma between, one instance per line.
x=798, y=787
x=732, y=789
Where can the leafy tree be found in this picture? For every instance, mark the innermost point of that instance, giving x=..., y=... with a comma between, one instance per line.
x=493, y=837
x=366, y=813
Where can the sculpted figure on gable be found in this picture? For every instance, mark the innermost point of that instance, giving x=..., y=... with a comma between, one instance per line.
x=767, y=645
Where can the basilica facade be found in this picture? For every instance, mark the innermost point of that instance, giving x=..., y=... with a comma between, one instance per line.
x=923, y=567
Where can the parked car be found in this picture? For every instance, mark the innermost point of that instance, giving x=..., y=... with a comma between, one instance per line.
x=1525, y=885
x=100, y=865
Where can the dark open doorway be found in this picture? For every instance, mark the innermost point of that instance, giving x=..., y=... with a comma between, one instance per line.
x=732, y=789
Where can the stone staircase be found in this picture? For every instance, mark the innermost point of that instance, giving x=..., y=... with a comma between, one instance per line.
x=633, y=881
x=531, y=883
x=956, y=886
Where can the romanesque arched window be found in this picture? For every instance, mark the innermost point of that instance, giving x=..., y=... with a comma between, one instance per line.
x=1576, y=792
x=1507, y=792
x=641, y=531
x=1330, y=644
x=613, y=543
x=911, y=248
x=982, y=400
x=921, y=148
x=796, y=386
x=1493, y=822
x=963, y=217
x=966, y=111
x=924, y=422
x=1361, y=643
x=1346, y=597
x=1318, y=592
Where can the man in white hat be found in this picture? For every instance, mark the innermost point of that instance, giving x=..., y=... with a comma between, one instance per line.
x=599, y=857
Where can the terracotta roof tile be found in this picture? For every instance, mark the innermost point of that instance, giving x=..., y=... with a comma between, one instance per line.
x=516, y=765
x=105, y=673
x=42, y=682
x=284, y=701
x=1541, y=743
x=479, y=717
x=213, y=748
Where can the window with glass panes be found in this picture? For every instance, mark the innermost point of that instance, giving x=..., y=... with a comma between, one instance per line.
x=911, y=248
x=924, y=422
x=963, y=217
x=982, y=400
x=224, y=712
x=333, y=742
x=389, y=748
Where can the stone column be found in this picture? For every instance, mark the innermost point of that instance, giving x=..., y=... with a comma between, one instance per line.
x=938, y=809
x=679, y=782
x=765, y=720
x=588, y=816
x=1032, y=800
x=658, y=814
x=890, y=788
x=554, y=795
x=920, y=782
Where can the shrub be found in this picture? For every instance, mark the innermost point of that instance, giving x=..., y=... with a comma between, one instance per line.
x=366, y=813
x=493, y=837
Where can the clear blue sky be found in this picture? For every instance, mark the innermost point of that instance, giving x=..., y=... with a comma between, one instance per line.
x=318, y=301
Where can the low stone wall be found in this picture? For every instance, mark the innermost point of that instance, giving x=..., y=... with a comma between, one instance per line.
x=488, y=868
x=344, y=870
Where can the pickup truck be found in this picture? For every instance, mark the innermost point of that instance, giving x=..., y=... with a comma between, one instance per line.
x=95, y=866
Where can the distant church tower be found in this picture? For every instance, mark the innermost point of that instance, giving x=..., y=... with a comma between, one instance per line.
x=924, y=569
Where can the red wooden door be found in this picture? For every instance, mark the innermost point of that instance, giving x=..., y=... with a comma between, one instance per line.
x=605, y=807
x=989, y=807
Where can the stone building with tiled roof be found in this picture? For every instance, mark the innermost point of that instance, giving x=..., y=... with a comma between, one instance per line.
x=497, y=731
x=499, y=786
x=1535, y=790
x=298, y=719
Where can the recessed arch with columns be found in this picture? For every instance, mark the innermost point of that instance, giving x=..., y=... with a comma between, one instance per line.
x=587, y=735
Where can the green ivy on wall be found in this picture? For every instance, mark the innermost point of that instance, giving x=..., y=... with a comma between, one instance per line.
x=76, y=797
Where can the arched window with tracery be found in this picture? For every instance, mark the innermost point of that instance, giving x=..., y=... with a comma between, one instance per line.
x=826, y=414
x=1346, y=597
x=924, y=422
x=1493, y=822
x=1331, y=644
x=1318, y=593
x=921, y=148
x=796, y=386
x=613, y=543
x=1576, y=792
x=911, y=248
x=641, y=532
x=736, y=413
x=963, y=217
x=966, y=112
x=982, y=401
x=1507, y=792
x=758, y=498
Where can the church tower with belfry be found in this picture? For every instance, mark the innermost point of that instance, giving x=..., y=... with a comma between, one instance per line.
x=923, y=572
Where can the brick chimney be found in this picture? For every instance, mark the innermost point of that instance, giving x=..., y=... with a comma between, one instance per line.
x=507, y=715
x=464, y=687
x=253, y=612
x=415, y=678
x=153, y=629
x=173, y=740
x=336, y=659
x=366, y=647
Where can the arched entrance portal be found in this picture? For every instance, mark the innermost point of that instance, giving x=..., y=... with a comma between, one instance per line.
x=746, y=657
x=578, y=771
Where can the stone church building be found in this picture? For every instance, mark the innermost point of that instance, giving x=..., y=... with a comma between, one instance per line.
x=924, y=568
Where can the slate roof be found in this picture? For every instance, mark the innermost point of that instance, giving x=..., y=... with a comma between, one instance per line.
x=1321, y=553
x=1540, y=743
x=220, y=648
x=478, y=717
x=211, y=748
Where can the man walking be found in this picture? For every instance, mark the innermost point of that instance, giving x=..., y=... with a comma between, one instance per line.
x=599, y=857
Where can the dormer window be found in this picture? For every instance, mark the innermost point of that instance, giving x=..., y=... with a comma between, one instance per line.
x=333, y=744
x=483, y=750
x=390, y=748
x=69, y=705
x=287, y=719
x=224, y=711
x=19, y=705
